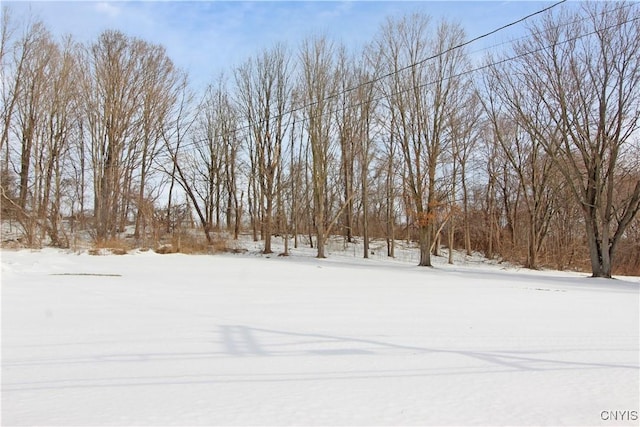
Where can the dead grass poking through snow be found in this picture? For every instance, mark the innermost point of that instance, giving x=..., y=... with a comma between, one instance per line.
x=187, y=243
x=113, y=246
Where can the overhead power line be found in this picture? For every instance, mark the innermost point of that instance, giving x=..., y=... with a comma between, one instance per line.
x=394, y=72
x=511, y=41
x=459, y=46
x=481, y=67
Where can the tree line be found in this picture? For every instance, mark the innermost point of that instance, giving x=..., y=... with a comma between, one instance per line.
x=531, y=153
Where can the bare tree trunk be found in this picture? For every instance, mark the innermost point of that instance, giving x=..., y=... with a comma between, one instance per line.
x=390, y=206
x=318, y=84
x=465, y=209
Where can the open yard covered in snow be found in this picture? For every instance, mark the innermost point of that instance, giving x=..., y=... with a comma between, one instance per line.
x=148, y=339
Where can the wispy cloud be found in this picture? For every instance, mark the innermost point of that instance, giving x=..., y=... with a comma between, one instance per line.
x=207, y=37
x=109, y=9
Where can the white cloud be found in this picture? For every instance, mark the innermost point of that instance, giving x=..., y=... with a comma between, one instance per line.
x=108, y=9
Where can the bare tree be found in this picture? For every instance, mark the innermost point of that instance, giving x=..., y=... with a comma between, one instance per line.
x=183, y=166
x=264, y=96
x=465, y=125
x=159, y=87
x=422, y=95
x=39, y=106
x=387, y=124
x=209, y=152
x=172, y=137
x=11, y=64
x=61, y=128
x=585, y=73
x=318, y=88
x=346, y=125
x=229, y=123
x=35, y=54
x=112, y=97
x=365, y=104
x=128, y=90
x=522, y=147
x=36, y=45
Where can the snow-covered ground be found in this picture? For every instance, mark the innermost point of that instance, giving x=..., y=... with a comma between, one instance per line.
x=149, y=339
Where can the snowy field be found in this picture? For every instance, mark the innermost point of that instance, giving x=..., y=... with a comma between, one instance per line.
x=148, y=339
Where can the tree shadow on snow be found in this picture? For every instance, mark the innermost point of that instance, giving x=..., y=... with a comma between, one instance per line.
x=239, y=341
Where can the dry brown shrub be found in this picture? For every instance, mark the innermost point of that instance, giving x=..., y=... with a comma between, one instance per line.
x=627, y=260
x=187, y=243
x=165, y=249
x=190, y=243
x=113, y=246
x=12, y=244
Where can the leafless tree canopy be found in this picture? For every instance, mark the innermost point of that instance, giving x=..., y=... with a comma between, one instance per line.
x=531, y=154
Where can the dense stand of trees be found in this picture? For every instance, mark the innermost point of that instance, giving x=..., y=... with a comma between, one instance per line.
x=531, y=154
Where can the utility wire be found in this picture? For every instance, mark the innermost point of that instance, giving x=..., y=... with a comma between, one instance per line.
x=460, y=74
x=511, y=41
x=459, y=46
x=303, y=119
x=481, y=67
x=378, y=78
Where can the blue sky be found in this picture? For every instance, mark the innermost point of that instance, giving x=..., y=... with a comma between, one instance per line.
x=208, y=37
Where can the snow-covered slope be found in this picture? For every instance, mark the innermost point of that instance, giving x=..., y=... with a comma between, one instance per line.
x=148, y=339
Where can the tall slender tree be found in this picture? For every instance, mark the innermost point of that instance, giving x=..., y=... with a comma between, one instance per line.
x=318, y=88
x=422, y=95
x=264, y=89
